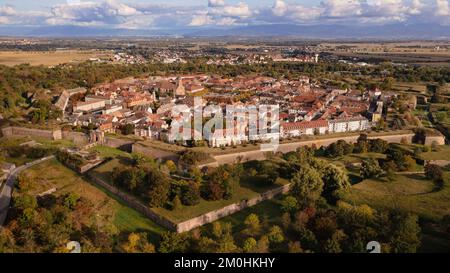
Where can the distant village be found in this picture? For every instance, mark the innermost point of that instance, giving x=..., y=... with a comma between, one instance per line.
x=144, y=106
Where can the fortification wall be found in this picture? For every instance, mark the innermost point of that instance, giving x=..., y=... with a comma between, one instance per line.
x=78, y=138
x=290, y=147
x=228, y=210
x=22, y=131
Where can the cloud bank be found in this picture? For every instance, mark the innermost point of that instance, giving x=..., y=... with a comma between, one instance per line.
x=124, y=14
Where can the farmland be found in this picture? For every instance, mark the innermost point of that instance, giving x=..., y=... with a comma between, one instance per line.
x=49, y=58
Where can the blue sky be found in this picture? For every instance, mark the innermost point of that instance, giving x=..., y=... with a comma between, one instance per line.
x=155, y=14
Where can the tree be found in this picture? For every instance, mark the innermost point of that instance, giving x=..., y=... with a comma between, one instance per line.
x=138, y=243
x=219, y=183
x=362, y=144
x=295, y=247
x=158, y=188
x=262, y=245
x=370, y=168
x=378, y=145
x=191, y=194
x=405, y=238
x=333, y=244
x=128, y=129
x=289, y=204
x=276, y=235
x=171, y=166
x=176, y=203
x=253, y=225
x=307, y=186
x=434, y=172
x=335, y=182
x=172, y=242
x=224, y=238
x=250, y=245
x=409, y=163
x=70, y=200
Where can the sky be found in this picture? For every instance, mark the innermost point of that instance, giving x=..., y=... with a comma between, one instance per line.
x=166, y=14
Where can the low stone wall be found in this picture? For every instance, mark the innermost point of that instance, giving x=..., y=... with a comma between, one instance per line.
x=439, y=140
x=228, y=210
x=22, y=131
x=442, y=163
x=87, y=167
x=78, y=138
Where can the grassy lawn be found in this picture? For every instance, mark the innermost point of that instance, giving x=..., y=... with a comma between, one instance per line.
x=410, y=87
x=109, y=211
x=269, y=211
x=442, y=153
x=105, y=151
x=104, y=171
x=412, y=193
x=240, y=193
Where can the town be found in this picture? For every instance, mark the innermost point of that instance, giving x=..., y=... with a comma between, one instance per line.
x=143, y=107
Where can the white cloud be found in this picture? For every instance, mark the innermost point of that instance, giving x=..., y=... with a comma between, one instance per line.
x=92, y=13
x=416, y=7
x=216, y=3
x=7, y=11
x=443, y=8
x=4, y=20
x=227, y=21
x=279, y=8
x=241, y=10
x=130, y=14
x=341, y=8
x=201, y=20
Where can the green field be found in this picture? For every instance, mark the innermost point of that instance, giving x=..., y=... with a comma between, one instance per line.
x=442, y=153
x=240, y=193
x=411, y=193
x=105, y=151
x=52, y=174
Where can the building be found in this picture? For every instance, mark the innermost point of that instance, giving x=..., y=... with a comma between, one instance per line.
x=351, y=124
x=180, y=91
x=222, y=138
x=296, y=129
x=91, y=105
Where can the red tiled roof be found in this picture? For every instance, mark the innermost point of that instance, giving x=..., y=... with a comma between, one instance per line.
x=289, y=126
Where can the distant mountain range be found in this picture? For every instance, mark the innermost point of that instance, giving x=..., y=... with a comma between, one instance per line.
x=392, y=31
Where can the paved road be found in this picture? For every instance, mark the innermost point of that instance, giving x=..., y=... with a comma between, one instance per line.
x=7, y=188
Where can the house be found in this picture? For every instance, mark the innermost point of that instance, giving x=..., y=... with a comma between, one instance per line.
x=296, y=129
x=223, y=137
x=350, y=124
x=86, y=106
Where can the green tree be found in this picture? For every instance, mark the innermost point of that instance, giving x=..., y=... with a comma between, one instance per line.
x=252, y=224
x=158, y=188
x=276, y=235
x=405, y=238
x=172, y=242
x=191, y=194
x=370, y=168
x=306, y=186
x=176, y=203
x=434, y=172
x=289, y=204
x=335, y=182
x=250, y=245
